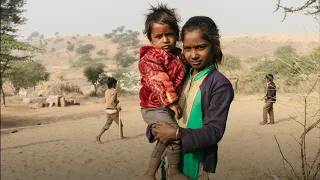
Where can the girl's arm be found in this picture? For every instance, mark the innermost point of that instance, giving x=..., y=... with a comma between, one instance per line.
x=214, y=122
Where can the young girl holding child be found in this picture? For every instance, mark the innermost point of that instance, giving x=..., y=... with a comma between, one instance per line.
x=205, y=101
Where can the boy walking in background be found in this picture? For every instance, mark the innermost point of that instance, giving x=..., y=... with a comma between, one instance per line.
x=270, y=99
x=112, y=107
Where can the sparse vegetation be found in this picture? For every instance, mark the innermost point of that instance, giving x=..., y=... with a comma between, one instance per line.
x=102, y=52
x=126, y=38
x=288, y=67
x=123, y=58
x=230, y=63
x=129, y=81
x=58, y=40
x=108, y=36
x=93, y=73
x=136, y=52
x=65, y=88
x=70, y=46
x=11, y=18
x=26, y=74
x=85, y=49
x=52, y=50
x=128, y=45
x=83, y=61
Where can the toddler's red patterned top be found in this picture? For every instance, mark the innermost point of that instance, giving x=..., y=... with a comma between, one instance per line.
x=162, y=75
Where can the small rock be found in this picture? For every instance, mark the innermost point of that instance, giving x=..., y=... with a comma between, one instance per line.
x=14, y=131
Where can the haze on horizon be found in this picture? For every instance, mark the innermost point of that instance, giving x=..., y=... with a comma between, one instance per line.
x=70, y=17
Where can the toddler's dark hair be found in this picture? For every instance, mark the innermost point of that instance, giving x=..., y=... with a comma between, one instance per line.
x=161, y=15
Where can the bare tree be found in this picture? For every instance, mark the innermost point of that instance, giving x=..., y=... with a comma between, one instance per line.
x=310, y=7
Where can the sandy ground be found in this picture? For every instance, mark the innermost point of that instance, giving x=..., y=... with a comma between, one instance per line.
x=63, y=147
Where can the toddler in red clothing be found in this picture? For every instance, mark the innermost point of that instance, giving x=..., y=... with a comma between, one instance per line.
x=162, y=68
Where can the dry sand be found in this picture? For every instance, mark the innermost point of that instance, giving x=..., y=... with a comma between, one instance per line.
x=63, y=146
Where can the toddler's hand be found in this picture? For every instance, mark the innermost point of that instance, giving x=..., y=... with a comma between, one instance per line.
x=176, y=109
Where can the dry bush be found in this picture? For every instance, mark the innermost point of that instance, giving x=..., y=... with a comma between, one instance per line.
x=59, y=89
x=67, y=88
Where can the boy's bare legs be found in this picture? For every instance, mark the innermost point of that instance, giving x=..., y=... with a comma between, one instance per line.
x=110, y=118
x=98, y=138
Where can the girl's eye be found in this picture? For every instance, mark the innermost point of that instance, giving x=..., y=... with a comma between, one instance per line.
x=158, y=37
x=201, y=47
x=186, y=48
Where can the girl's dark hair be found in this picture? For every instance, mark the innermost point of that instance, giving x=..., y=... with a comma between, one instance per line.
x=111, y=81
x=161, y=15
x=210, y=32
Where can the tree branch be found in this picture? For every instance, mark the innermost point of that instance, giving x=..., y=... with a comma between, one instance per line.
x=311, y=7
x=284, y=157
x=296, y=120
x=314, y=162
x=310, y=128
x=295, y=139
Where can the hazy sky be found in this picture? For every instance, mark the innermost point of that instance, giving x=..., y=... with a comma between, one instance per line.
x=101, y=16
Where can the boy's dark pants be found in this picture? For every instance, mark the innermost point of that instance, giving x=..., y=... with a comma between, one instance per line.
x=151, y=116
x=268, y=109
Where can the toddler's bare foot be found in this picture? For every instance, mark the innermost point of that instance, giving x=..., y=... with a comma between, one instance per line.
x=148, y=177
x=98, y=139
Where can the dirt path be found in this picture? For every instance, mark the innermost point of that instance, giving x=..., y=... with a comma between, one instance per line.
x=63, y=146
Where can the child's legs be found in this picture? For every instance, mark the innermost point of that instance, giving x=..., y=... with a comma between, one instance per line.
x=271, y=113
x=105, y=127
x=174, y=153
x=151, y=116
x=265, y=113
x=108, y=122
x=115, y=118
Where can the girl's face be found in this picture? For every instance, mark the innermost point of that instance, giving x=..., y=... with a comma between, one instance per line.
x=197, y=51
x=163, y=36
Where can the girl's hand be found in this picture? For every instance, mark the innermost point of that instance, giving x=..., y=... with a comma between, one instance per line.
x=164, y=132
